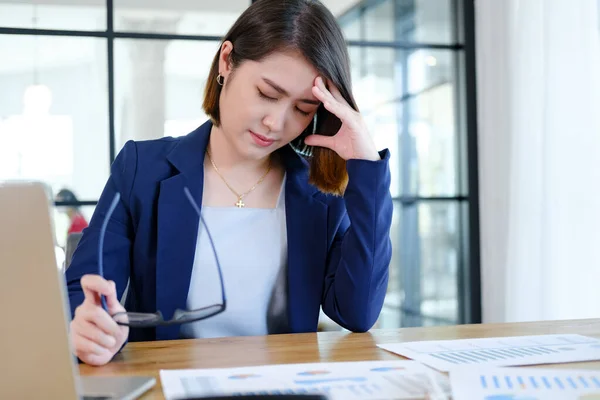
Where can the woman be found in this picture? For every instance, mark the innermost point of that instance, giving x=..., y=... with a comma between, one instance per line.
x=291, y=235
x=77, y=221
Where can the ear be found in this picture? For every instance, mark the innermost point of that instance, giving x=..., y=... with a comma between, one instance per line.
x=224, y=61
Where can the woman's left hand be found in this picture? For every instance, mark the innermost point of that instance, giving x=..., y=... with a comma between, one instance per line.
x=352, y=141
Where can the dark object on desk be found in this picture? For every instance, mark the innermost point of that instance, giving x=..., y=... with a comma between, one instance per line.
x=265, y=397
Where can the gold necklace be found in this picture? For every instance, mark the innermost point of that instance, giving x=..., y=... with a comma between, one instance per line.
x=240, y=197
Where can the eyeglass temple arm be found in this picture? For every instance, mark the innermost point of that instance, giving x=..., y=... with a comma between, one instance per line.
x=111, y=209
x=212, y=243
x=103, y=233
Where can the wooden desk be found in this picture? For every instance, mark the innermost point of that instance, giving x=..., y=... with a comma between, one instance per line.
x=148, y=358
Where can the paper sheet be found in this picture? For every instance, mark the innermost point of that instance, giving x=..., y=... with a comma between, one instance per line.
x=444, y=355
x=366, y=380
x=524, y=384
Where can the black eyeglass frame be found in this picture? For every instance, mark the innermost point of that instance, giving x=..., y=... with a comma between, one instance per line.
x=152, y=320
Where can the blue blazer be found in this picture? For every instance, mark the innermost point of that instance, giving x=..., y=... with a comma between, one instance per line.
x=339, y=248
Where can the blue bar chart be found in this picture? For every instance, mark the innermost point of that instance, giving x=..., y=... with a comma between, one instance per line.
x=524, y=383
x=549, y=382
x=446, y=355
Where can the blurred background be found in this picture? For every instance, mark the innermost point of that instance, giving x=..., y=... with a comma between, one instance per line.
x=80, y=78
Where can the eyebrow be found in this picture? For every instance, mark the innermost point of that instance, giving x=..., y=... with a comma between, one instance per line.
x=285, y=92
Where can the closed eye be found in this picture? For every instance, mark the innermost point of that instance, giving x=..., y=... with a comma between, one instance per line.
x=304, y=113
x=269, y=98
x=264, y=96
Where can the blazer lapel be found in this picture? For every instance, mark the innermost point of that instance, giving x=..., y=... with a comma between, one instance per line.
x=178, y=227
x=306, y=219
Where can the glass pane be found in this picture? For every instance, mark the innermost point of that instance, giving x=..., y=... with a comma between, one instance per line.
x=382, y=122
x=425, y=21
x=374, y=87
x=53, y=112
x=183, y=17
x=69, y=219
x=421, y=21
x=432, y=129
x=379, y=21
x=341, y=8
x=423, y=288
x=375, y=75
x=408, y=100
x=439, y=243
x=429, y=68
x=88, y=17
x=159, y=87
x=351, y=24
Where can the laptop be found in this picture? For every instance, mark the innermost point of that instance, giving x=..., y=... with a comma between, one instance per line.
x=36, y=361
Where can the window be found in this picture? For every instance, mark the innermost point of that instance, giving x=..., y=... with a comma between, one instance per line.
x=53, y=112
x=77, y=85
x=409, y=75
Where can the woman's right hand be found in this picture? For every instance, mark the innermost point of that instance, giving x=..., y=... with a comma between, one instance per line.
x=95, y=336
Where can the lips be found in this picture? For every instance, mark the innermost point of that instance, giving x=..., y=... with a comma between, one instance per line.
x=261, y=140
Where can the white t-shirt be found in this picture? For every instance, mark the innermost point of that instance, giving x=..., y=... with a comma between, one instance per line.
x=251, y=244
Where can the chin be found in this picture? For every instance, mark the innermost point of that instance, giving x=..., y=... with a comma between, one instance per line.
x=259, y=154
x=250, y=152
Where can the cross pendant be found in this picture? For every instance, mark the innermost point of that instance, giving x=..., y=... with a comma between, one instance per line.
x=239, y=203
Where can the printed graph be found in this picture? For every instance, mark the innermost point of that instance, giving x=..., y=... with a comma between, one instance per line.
x=525, y=384
x=545, y=382
x=446, y=355
x=364, y=380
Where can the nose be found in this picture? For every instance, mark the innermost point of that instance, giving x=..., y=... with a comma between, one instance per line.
x=275, y=119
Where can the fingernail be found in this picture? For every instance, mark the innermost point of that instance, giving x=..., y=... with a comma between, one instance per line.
x=111, y=341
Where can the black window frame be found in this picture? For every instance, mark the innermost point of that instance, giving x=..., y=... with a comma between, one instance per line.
x=464, y=34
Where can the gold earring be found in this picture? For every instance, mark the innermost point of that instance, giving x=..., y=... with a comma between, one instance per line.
x=220, y=79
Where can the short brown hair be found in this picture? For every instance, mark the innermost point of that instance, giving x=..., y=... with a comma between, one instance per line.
x=308, y=27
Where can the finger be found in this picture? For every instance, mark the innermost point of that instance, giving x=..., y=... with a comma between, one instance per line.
x=340, y=110
x=335, y=92
x=93, y=333
x=83, y=345
x=112, y=302
x=96, y=360
x=97, y=316
x=320, y=85
x=93, y=286
x=332, y=105
x=320, y=141
x=332, y=91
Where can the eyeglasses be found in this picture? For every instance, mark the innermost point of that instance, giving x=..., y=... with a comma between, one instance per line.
x=151, y=320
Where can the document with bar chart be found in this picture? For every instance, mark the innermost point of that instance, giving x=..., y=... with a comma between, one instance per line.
x=445, y=355
x=362, y=380
x=524, y=384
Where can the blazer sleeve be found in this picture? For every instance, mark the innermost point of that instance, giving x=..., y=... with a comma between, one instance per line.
x=358, y=261
x=119, y=232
